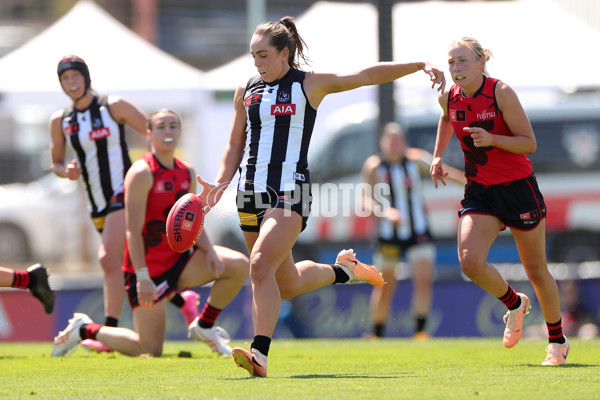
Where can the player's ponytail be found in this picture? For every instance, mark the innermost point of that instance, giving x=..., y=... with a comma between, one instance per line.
x=285, y=34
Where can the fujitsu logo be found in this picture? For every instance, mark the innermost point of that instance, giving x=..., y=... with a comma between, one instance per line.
x=486, y=114
x=99, y=133
x=283, y=109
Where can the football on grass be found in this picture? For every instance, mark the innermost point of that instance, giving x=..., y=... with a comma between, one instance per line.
x=185, y=222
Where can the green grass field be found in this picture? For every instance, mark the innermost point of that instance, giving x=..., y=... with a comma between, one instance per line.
x=310, y=369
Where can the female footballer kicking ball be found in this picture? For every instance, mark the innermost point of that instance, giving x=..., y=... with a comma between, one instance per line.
x=273, y=120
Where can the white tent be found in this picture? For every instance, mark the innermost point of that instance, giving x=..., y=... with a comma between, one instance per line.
x=539, y=48
x=120, y=63
x=536, y=43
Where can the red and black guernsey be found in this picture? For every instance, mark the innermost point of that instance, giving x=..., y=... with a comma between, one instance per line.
x=169, y=185
x=486, y=165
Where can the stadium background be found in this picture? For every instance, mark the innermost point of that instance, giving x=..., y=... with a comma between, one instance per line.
x=208, y=35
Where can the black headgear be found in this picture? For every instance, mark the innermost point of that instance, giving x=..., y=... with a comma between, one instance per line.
x=77, y=63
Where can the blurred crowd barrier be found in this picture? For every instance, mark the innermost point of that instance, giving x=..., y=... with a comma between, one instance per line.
x=460, y=308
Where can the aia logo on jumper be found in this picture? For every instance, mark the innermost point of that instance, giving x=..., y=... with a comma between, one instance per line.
x=458, y=115
x=100, y=133
x=283, y=109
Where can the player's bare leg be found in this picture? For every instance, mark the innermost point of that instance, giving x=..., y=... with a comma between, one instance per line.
x=110, y=254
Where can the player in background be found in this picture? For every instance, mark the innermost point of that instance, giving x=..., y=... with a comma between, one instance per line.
x=93, y=129
x=152, y=269
x=274, y=114
x=495, y=134
x=403, y=229
x=35, y=278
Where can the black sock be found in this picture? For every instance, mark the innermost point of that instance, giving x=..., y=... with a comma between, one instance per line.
x=421, y=321
x=177, y=300
x=32, y=280
x=262, y=344
x=89, y=331
x=111, y=321
x=511, y=299
x=555, y=333
x=208, y=316
x=378, y=329
x=340, y=275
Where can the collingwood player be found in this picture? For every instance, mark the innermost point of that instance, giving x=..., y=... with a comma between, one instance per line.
x=273, y=122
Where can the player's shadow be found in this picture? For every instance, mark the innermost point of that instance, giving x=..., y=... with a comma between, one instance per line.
x=562, y=366
x=341, y=376
x=329, y=376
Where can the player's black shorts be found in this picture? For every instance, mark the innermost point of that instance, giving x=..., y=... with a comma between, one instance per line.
x=165, y=284
x=252, y=206
x=404, y=244
x=117, y=202
x=519, y=204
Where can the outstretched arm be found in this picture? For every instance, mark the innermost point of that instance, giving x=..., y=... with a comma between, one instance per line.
x=319, y=85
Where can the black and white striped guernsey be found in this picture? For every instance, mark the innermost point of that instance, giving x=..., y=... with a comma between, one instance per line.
x=279, y=125
x=99, y=143
x=405, y=195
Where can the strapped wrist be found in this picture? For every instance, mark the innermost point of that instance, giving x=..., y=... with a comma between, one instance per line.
x=143, y=274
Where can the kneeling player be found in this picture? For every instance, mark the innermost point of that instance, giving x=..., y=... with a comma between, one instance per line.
x=152, y=269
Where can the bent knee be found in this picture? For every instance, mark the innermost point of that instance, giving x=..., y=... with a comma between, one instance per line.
x=538, y=273
x=471, y=264
x=109, y=262
x=260, y=268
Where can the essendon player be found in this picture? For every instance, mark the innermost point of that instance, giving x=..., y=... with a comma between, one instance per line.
x=501, y=191
x=152, y=269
